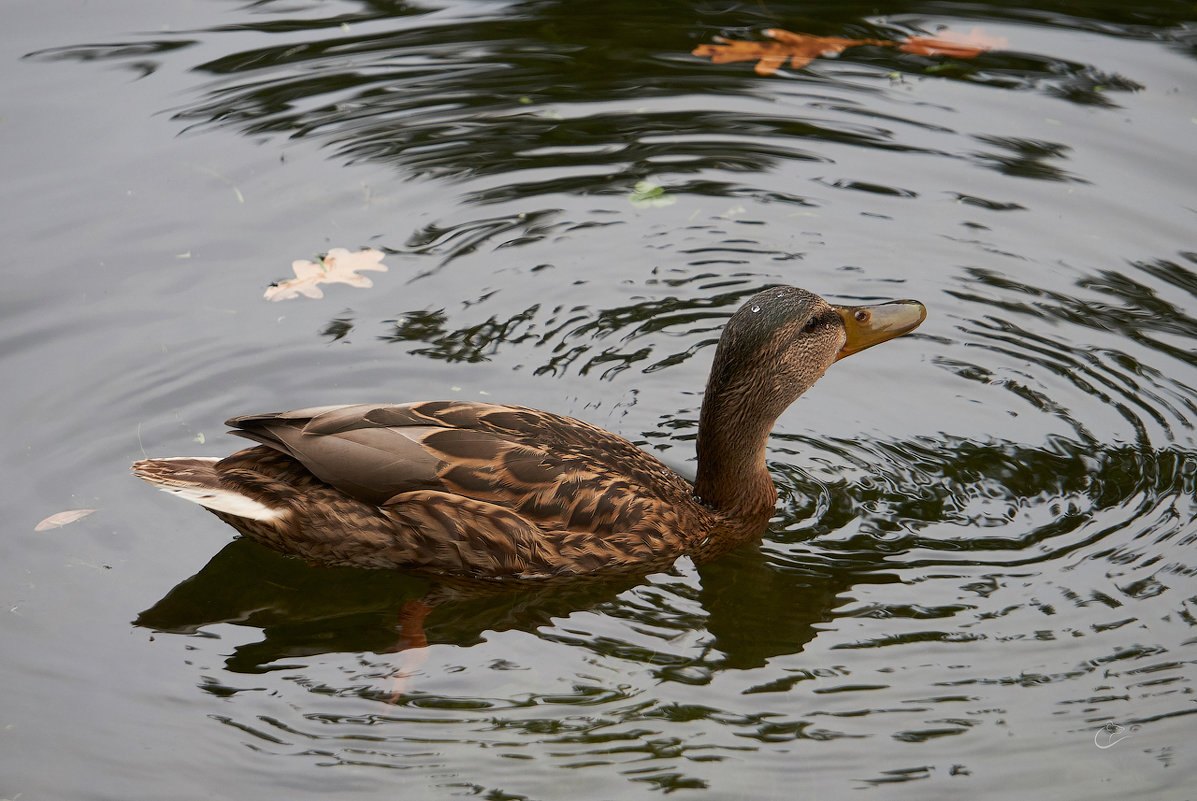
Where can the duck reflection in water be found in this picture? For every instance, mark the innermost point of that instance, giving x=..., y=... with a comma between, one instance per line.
x=751, y=610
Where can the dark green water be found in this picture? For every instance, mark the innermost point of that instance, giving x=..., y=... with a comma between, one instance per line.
x=980, y=580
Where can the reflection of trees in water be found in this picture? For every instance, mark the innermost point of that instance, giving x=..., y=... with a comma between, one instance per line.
x=1003, y=502
x=554, y=97
x=605, y=340
x=1111, y=307
x=565, y=98
x=1131, y=307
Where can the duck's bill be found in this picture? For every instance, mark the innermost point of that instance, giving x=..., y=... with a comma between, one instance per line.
x=870, y=325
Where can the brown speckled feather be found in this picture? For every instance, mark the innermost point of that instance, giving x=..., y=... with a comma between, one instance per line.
x=461, y=488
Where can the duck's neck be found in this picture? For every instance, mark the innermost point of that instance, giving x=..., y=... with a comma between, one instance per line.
x=732, y=477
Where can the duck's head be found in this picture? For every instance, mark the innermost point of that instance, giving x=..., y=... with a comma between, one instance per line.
x=772, y=350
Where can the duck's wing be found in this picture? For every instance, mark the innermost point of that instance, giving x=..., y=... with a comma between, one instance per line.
x=370, y=453
x=556, y=471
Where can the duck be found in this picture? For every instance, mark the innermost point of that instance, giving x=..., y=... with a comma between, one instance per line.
x=474, y=490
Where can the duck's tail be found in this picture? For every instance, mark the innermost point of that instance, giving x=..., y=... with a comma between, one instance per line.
x=197, y=479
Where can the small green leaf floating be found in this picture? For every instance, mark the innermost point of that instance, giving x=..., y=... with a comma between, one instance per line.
x=648, y=194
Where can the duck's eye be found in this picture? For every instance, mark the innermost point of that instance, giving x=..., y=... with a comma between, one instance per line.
x=811, y=326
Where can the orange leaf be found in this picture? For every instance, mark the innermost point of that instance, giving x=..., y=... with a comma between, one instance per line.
x=803, y=48
x=950, y=43
x=799, y=48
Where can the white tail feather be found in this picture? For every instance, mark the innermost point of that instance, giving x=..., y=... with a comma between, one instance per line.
x=188, y=483
x=220, y=500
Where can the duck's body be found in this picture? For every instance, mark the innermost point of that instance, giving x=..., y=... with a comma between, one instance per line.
x=471, y=489
x=490, y=491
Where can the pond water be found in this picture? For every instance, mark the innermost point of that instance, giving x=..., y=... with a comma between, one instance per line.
x=980, y=578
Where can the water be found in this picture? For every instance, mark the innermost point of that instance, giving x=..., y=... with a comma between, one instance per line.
x=980, y=577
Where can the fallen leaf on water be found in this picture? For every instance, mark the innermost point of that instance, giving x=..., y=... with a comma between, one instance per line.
x=951, y=43
x=800, y=48
x=646, y=193
x=62, y=519
x=338, y=266
x=803, y=48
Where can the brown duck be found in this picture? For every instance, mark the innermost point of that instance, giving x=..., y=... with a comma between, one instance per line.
x=480, y=490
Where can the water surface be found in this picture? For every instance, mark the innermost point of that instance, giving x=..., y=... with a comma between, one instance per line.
x=980, y=577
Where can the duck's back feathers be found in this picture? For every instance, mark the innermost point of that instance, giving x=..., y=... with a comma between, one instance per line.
x=471, y=488
x=374, y=452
